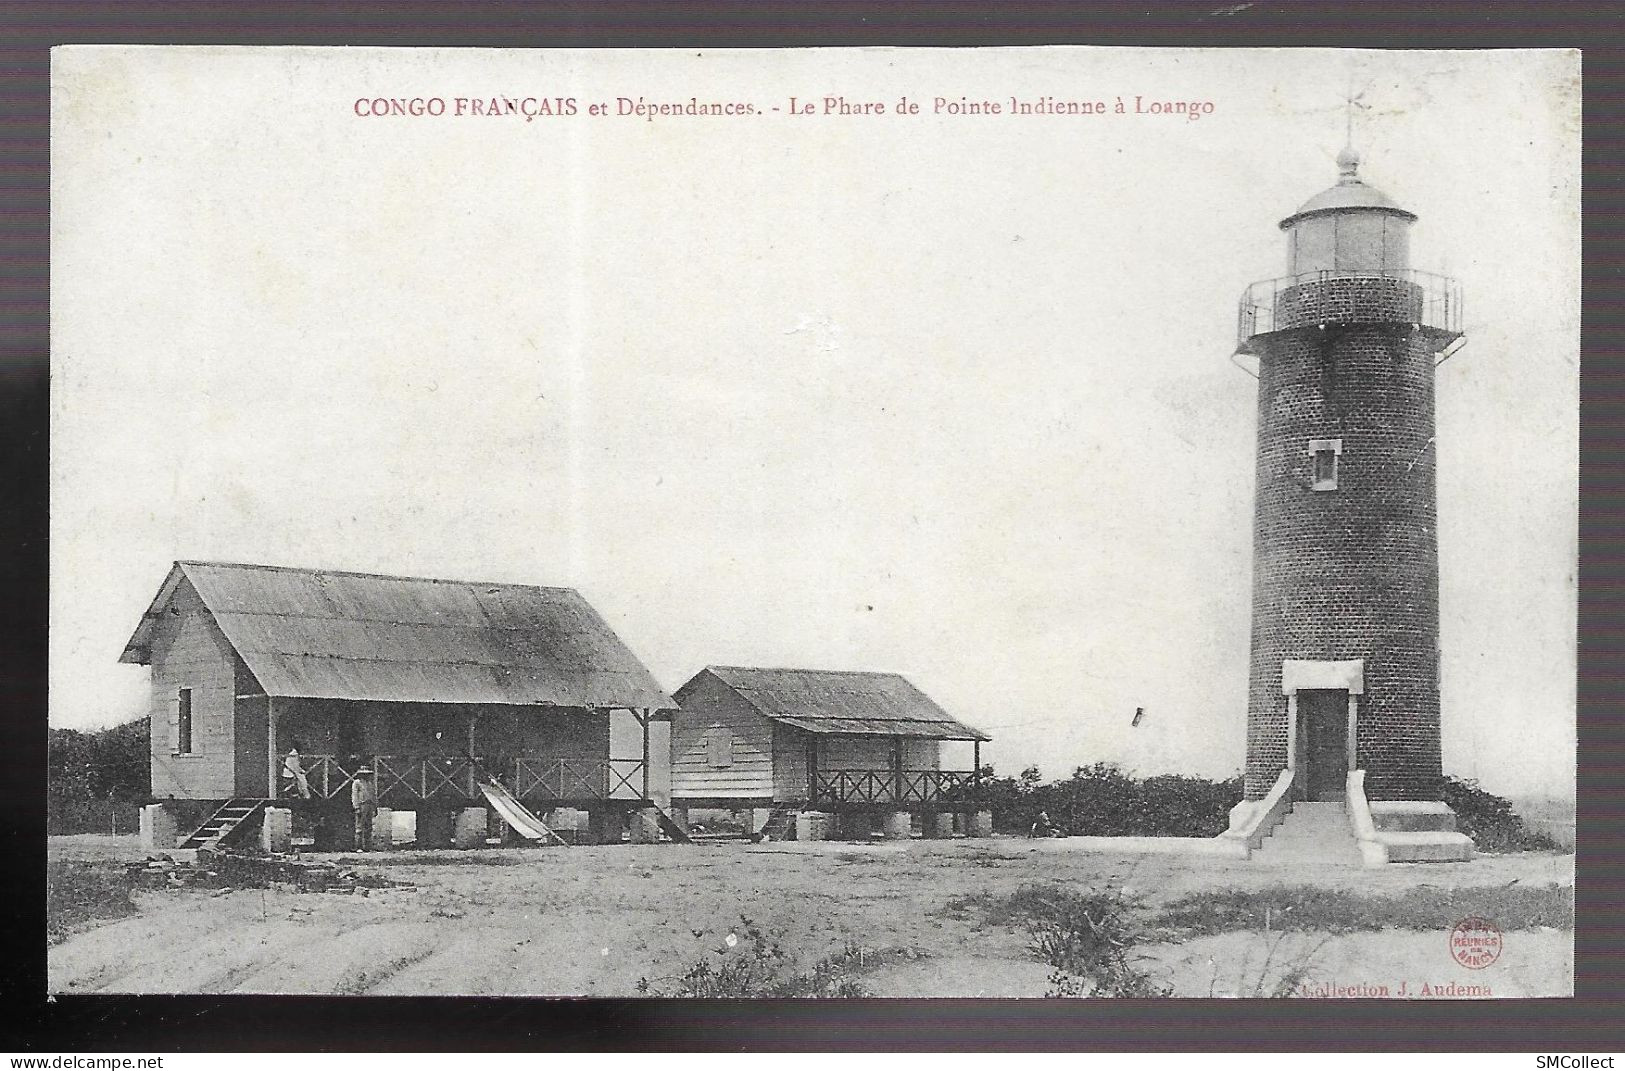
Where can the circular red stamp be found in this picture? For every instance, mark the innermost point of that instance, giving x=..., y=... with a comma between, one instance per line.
x=1475, y=942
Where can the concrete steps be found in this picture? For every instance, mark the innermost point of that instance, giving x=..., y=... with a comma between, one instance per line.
x=1407, y=833
x=1428, y=847
x=1312, y=832
x=1418, y=832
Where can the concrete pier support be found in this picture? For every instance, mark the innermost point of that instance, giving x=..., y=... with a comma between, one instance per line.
x=567, y=822
x=434, y=827
x=813, y=825
x=383, y=830
x=276, y=830
x=470, y=828
x=981, y=824
x=939, y=825
x=157, y=827
x=898, y=825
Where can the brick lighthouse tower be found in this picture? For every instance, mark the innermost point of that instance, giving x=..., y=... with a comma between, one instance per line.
x=1345, y=614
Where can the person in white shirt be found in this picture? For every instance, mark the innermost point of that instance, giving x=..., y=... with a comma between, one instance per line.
x=364, y=801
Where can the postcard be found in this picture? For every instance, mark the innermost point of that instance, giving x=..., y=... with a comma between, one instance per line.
x=1004, y=522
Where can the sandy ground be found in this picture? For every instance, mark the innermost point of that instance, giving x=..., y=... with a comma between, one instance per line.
x=594, y=920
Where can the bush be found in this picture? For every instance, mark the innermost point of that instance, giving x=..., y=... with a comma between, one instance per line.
x=752, y=962
x=1103, y=801
x=1089, y=938
x=96, y=780
x=77, y=893
x=110, y=763
x=1490, y=821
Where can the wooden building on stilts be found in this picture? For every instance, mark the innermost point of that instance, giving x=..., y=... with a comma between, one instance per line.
x=823, y=753
x=435, y=685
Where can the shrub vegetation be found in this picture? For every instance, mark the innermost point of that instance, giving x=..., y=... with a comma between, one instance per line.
x=751, y=961
x=77, y=893
x=96, y=780
x=1089, y=936
x=1103, y=801
x=1490, y=821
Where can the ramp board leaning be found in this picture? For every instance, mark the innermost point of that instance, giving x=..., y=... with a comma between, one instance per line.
x=513, y=812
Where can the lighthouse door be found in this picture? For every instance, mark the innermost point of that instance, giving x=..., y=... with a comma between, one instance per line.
x=1324, y=715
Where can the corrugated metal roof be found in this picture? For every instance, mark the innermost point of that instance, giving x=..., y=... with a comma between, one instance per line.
x=841, y=701
x=333, y=635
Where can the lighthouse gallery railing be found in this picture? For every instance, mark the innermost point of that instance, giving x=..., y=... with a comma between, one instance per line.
x=1424, y=298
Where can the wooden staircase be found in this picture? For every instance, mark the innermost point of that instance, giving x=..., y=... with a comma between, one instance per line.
x=777, y=827
x=224, y=822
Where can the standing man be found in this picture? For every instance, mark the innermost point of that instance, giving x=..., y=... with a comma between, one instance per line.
x=293, y=774
x=364, y=801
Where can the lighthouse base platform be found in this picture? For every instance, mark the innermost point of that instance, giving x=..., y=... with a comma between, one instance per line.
x=1411, y=832
x=1404, y=831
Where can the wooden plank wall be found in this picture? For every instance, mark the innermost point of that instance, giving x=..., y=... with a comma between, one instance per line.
x=250, y=725
x=189, y=651
x=837, y=752
x=840, y=753
x=706, y=706
x=251, y=718
x=310, y=724
x=922, y=755
x=409, y=729
x=549, y=733
x=790, y=762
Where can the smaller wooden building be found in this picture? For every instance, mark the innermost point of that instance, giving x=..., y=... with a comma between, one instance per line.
x=864, y=747
x=434, y=685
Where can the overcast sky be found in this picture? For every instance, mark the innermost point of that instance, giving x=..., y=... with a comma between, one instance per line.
x=944, y=395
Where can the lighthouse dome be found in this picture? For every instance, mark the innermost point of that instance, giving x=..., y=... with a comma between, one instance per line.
x=1350, y=193
x=1351, y=226
x=1344, y=196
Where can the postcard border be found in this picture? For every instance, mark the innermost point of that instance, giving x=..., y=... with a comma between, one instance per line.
x=1591, y=1020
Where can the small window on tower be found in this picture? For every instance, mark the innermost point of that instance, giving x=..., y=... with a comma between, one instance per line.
x=1323, y=455
x=1325, y=468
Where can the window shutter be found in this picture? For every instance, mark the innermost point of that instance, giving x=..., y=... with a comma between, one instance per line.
x=720, y=742
x=174, y=723
x=186, y=723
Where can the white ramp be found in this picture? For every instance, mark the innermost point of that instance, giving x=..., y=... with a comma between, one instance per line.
x=513, y=812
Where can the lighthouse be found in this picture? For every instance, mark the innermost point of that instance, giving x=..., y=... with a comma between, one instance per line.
x=1343, y=696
